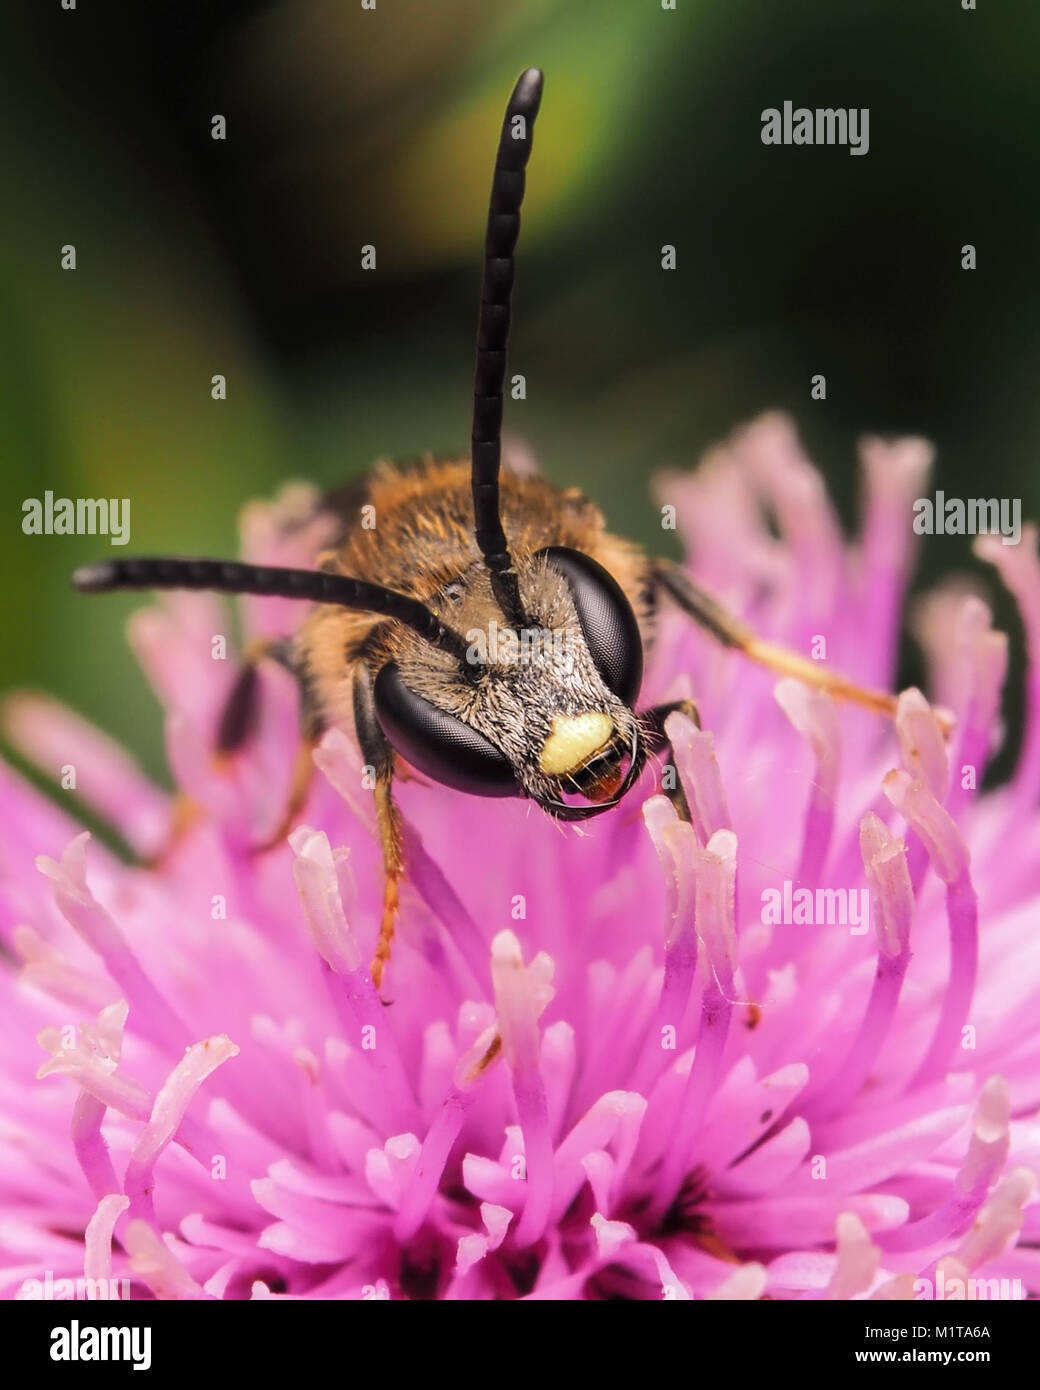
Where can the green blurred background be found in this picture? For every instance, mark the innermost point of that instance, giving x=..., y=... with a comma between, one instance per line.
x=348, y=126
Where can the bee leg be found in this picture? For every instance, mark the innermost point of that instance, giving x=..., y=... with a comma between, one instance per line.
x=242, y=708
x=299, y=787
x=655, y=739
x=184, y=813
x=731, y=632
x=379, y=756
x=239, y=719
x=237, y=722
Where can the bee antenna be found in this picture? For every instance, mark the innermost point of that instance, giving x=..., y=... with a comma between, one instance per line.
x=230, y=577
x=503, y=227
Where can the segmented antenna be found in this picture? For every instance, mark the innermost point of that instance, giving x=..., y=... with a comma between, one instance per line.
x=507, y=193
x=230, y=577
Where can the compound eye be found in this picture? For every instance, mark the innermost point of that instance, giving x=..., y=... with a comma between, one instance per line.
x=437, y=744
x=607, y=621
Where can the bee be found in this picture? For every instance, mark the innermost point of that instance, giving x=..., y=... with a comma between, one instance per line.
x=406, y=637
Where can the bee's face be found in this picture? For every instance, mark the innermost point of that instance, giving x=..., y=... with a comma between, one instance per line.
x=543, y=712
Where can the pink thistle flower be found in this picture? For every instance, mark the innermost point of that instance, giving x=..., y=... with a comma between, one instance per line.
x=611, y=1066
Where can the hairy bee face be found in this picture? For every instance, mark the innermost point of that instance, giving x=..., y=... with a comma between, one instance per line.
x=544, y=711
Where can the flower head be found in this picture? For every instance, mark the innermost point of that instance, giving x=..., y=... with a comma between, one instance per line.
x=786, y=1048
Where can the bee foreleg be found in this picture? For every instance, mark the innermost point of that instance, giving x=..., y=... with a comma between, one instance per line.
x=239, y=721
x=241, y=709
x=731, y=632
x=378, y=757
x=299, y=787
x=651, y=722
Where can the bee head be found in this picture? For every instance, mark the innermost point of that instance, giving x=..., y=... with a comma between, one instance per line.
x=540, y=710
x=542, y=706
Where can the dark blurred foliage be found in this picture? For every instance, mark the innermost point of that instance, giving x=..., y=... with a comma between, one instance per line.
x=348, y=126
